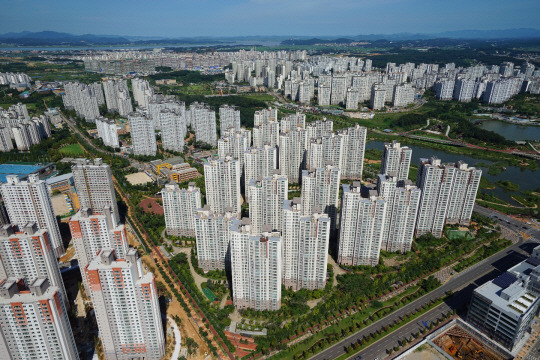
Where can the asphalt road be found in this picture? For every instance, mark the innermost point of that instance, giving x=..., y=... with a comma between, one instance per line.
x=462, y=284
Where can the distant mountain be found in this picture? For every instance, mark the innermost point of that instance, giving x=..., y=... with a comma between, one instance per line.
x=316, y=41
x=43, y=38
x=524, y=33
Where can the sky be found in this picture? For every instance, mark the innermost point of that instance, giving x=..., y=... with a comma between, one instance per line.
x=179, y=18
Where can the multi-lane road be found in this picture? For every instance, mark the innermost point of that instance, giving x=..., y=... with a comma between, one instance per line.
x=462, y=284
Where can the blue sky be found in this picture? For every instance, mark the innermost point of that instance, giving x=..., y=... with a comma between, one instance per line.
x=173, y=18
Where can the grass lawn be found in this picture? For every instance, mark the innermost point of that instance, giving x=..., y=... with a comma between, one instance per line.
x=73, y=150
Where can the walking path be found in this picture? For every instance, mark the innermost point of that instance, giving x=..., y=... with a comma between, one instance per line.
x=178, y=339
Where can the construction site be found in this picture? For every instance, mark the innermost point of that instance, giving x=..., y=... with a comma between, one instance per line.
x=461, y=344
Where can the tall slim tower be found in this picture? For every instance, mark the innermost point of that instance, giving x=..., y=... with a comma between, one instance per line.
x=222, y=179
x=320, y=190
x=27, y=253
x=143, y=136
x=266, y=201
x=361, y=226
x=396, y=160
x=305, y=247
x=93, y=232
x=292, y=153
x=354, y=153
x=95, y=188
x=29, y=201
x=229, y=118
x=180, y=207
x=126, y=304
x=256, y=267
x=35, y=323
x=259, y=162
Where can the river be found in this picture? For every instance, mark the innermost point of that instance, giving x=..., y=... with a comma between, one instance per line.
x=526, y=179
x=512, y=131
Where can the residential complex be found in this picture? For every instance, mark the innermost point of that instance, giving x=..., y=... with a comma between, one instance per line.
x=259, y=162
x=83, y=99
x=266, y=196
x=203, y=121
x=229, y=119
x=107, y=131
x=292, y=153
x=126, y=305
x=396, y=160
x=29, y=202
x=180, y=207
x=320, y=192
x=173, y=130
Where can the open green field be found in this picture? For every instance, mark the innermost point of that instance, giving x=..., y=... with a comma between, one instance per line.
x=72, y=150
x=459, y=234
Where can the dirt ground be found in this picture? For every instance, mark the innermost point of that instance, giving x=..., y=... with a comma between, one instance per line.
x=188, y=328
x=425, y=352
x=156, y=208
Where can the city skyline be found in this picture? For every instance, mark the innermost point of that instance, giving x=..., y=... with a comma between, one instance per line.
x=235, y=18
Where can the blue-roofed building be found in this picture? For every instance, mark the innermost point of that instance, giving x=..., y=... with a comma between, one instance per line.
x=504, y=308
x=22, y=170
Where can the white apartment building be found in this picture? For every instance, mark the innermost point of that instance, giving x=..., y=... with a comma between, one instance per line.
x=353, y=158
x=339, y=90
x=203, y=121
x=35, y=323
x=81, y=98
x=126, y=305
x=26, y=253
x=157, y=104
x=229, y=118
x=265, y=116
x=123, y=101
x=292, y=121
x=222, y=180
x=435, y=180
x=117, y=96
x=266, y=196
x=396, y=160
x=444, y=89
x=180, y=207
x=361, y=226
x=259, y=162
x=403, y=95
x=319, y=128
x=464, y=90
x=212, y=238
x=320, y=192
x=235, y=144
x=292, y=153
x=256, y=267
x=305, y=242
x=378, y=97
x=107, y=131
x=352, y=99
x=173, y=130
x=5, y=140
x=29, y=201
x=95, y=188
x=142, y=92
x=266, y=133
x=143, y=136
x=323, y=95
x=402, y=201
x=464, y=190
x=93, y=232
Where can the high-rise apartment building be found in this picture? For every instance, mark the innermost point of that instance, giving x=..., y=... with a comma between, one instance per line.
x=403, y=95
x=143, y=136
x=95, y=188
x=212, y=235
x=35, y=323
x=435, y=180
x=319, y=128
x=234, y=144
x=354, y=147
x=463, y=196
x=266, y=133
x=173, y=130
x=26, y=253
x=464, y=90
x=229, y=119
x=92, y=232
x=142, y=92
x=402, y=200
x=396, y=160
x=444, y=89
x=259, y=162
x=265, y=116
x=361, y=226
x=292, y=121
x=180, y=207
x=29, y=202
x=378, y=97
x=203, y=121
x=352, y=99
x=339, y=90
x=222, y=179
x=305, y=240
x=320, y=192
x=81, y=98
x=107, y=131
x=256, y=267
x=126, y=305
x=323, y=95
x=266, y=196
x=292, y=153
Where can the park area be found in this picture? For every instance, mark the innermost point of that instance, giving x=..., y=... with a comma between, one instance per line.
x=459, y=235
x=72, y=150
